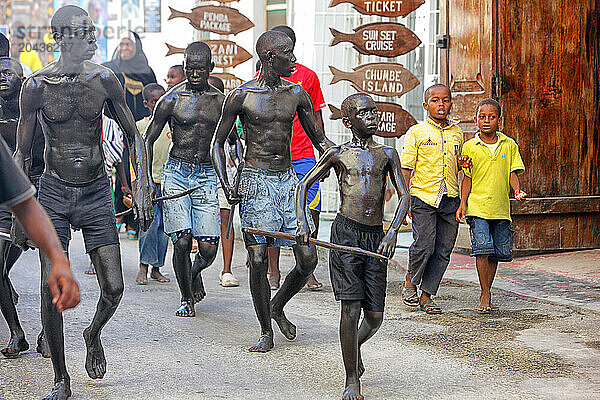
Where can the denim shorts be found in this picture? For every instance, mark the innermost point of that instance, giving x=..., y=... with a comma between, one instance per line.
x=268, y=203
x=197, y=211
x=491, y=237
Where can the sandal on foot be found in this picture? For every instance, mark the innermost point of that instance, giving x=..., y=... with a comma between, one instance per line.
x=315, y=287
x=430, y=307
x=132, y=235
x=274, y=281
x=410, y=296
x=484, y=310
x=228, y=280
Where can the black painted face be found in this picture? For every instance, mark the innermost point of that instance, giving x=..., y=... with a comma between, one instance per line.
x=283, y=59
x=197, y=68
x=363, y=117
x=79, y=39
x=10, y=80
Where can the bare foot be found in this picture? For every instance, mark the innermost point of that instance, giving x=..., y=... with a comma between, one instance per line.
x=361, y=366
x=352, y=392
x=198, y=287
x=186, y=310
x=265, y=343
x=95, y=363
x=15, y=346
x=157, y=276
x=142, y=276
x=285, y=326
x=60, y=391
x=42, y=346
x=274, y=281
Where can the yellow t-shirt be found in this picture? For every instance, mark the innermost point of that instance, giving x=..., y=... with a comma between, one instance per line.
x=160, y=150
x=490, y=176
x=31, y=59
x=432, y=153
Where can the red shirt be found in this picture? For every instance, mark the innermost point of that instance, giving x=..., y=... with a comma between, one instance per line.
x=307, y=78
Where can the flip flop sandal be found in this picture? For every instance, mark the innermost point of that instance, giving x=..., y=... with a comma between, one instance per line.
x=410, y=296
x=316, y=287
x=132, y=235
x=228, y=280
x=430, y=307
x=484, y=310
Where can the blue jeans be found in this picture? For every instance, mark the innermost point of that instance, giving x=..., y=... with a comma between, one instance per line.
x=197, y=211
x=154, y=242
x=491, y=237
x=268, y=203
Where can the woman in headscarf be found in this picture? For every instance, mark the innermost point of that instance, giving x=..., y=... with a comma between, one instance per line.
x=130, y=65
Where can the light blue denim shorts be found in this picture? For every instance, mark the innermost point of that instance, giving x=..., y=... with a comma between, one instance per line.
x=268, y=203
x=197, y=211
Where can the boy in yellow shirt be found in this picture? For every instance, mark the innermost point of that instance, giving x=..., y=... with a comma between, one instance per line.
x=484, y=196
x=430, y=162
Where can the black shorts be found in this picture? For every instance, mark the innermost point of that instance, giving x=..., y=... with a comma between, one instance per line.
x=87, y=207
x=353, y=276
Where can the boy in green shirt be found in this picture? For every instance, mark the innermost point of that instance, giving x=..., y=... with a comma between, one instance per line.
x=484, y=196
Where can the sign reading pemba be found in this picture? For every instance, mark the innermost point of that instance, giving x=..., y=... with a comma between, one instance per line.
x=230, y=81
x=225, y=53
x=222, y=20
x=387, y=39
x=382, y=79
x=383, y=8
x=394, y=120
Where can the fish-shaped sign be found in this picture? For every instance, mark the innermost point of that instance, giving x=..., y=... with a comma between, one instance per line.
x=383, y=8
x=394, y=120
x=225, y=53
x=382, y=79
x=387, y=39
x=230, y=81
x=222, y=20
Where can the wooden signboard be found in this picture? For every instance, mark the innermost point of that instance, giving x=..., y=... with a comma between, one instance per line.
x=225, y=53
x=221, y=20
x=387, y=39
x=382, y=79
x=394, y=120
x=230, y=81
x=382, y=8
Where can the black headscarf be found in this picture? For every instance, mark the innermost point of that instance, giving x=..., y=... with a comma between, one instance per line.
x=133, y=74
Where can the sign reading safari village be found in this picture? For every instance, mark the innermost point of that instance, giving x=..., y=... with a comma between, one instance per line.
x=383, y=39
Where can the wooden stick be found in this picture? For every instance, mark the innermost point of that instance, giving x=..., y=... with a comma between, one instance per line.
x=332, y=246
x=162, y=198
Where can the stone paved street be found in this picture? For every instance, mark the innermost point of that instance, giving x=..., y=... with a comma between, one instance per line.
x=535, y=347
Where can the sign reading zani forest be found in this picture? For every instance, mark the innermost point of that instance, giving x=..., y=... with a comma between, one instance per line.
x=221, y=20
x=225, y=53
x=230, y=81
x=382, y=79
x=387, y=39
x=394, y=120
x=383, y=8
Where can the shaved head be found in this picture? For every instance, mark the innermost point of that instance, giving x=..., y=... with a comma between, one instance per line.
x=63, y=18
x=200, y=49
x=353, y=102
x=270, y=41
x=12, y=64
x=431, y=88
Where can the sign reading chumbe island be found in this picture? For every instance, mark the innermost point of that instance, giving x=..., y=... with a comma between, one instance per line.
x=382, y=79
x=221, y=20
x=387, y=39
x=383, y=8
x=225, y=53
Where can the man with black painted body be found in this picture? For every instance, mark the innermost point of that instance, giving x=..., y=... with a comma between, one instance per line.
x=67, y=98
x=192, y=108
x=266, y=106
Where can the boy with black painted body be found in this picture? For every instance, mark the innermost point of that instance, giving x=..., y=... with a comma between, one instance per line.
x=362, y=167
x=484, y=196
x=430, y=163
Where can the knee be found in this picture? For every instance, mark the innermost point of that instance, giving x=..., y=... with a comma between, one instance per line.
x=113, y=292
x=374, y=319
x=351, y=310
x=209, y=251
x=183, y=244
x=307, y=262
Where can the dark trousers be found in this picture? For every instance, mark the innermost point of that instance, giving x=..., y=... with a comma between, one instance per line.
x=434, y=234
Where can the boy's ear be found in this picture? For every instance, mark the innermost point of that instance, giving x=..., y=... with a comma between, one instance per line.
x=146, y=104
x=212, y=66
x=425, y=106
x=346, y=122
